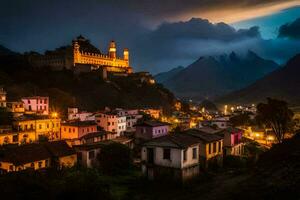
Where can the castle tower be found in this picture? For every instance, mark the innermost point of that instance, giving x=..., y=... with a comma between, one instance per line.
x=76, y=52
x=112, y=50
x=126, y=54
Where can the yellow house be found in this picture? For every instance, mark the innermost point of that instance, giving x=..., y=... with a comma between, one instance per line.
x=210, y=147
x=57, y=154
x=41, y=125
x=22, y=137
x=31, y=156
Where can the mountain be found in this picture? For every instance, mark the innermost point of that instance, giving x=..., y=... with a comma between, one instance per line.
x=5, y=51
x=162, y=77
x=213, y=76
x=284, y=83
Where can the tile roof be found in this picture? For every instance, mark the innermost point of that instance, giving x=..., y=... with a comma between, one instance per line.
x=80, y=123
x=59, y=148
x=177, y=140
x=205, y=137
x=19, y=155
x=153, y=123
x=95, y=134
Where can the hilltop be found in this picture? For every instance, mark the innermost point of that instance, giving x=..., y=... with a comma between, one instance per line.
x=87, y=91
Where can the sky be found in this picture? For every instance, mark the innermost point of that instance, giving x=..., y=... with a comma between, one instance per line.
x=159, y=34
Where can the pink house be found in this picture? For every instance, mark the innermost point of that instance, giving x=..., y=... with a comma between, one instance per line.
x=151, y=129
x=36, y=104
x=233, y=144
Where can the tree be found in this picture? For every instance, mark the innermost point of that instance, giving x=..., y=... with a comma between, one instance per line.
x=240, y=120
x=275, y=114
x=114, y=158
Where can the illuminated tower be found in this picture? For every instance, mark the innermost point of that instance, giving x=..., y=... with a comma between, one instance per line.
x=126, y=54
x=112, y=50
x=76, y=52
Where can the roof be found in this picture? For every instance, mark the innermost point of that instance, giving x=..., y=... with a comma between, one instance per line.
x=205, y=137
x=177, y=140
x=90, y=146
x=95, y=134
x=80, y=123
x=153, y=124
x=24, y=154
x=208, y=129
x=19, y=155
x=32, y=117
x=122, y=139
x=59, y=148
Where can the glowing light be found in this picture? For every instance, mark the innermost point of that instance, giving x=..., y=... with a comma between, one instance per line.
x=54, y=114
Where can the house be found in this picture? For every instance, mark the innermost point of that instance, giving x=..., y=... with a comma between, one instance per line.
x=21, y=137
x=74, y=114
x=18, y=158
x=62, y=155
x=40, y=124
x=181, y=155
x=88, y=153
x=36, y=104
x=112, y=122
x=36, y=156
x=126, y=140
x=174, y=156
x=77, y=129
x=2, y=98
x=16, y=107
x=98, y=136
x=211, y=147
x=233, y=144
x=151, y=129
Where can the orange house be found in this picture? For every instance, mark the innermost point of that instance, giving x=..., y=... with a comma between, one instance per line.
x=75, y=130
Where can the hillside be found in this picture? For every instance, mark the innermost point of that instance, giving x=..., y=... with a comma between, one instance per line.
x=162, y=77
x=87, y=91
x=283, y=83
x=210, y=77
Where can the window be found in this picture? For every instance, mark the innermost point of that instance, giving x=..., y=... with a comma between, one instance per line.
x=73, y=130
x=220, y=146
x=91, y=154
x=40, y=126
x=194, y=153
x=214, y=147
x=15, y=138
x=32, y=165
x=167, y=154
x=69, y=130
x=11, y=168
x=184, y=155
x=40, y=164
x=108, y=123
x=65, y=129
x=47, y=125
x=209, y=148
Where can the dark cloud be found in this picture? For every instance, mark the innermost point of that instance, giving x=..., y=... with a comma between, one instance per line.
x=290, y=30
x=183, y=42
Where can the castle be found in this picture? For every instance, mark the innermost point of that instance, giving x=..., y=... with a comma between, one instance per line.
x=83, y=56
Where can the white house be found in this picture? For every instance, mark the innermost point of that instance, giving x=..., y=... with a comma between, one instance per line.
x=176, y=154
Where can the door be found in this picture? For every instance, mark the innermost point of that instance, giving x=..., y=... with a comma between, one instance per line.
x=150, y=155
